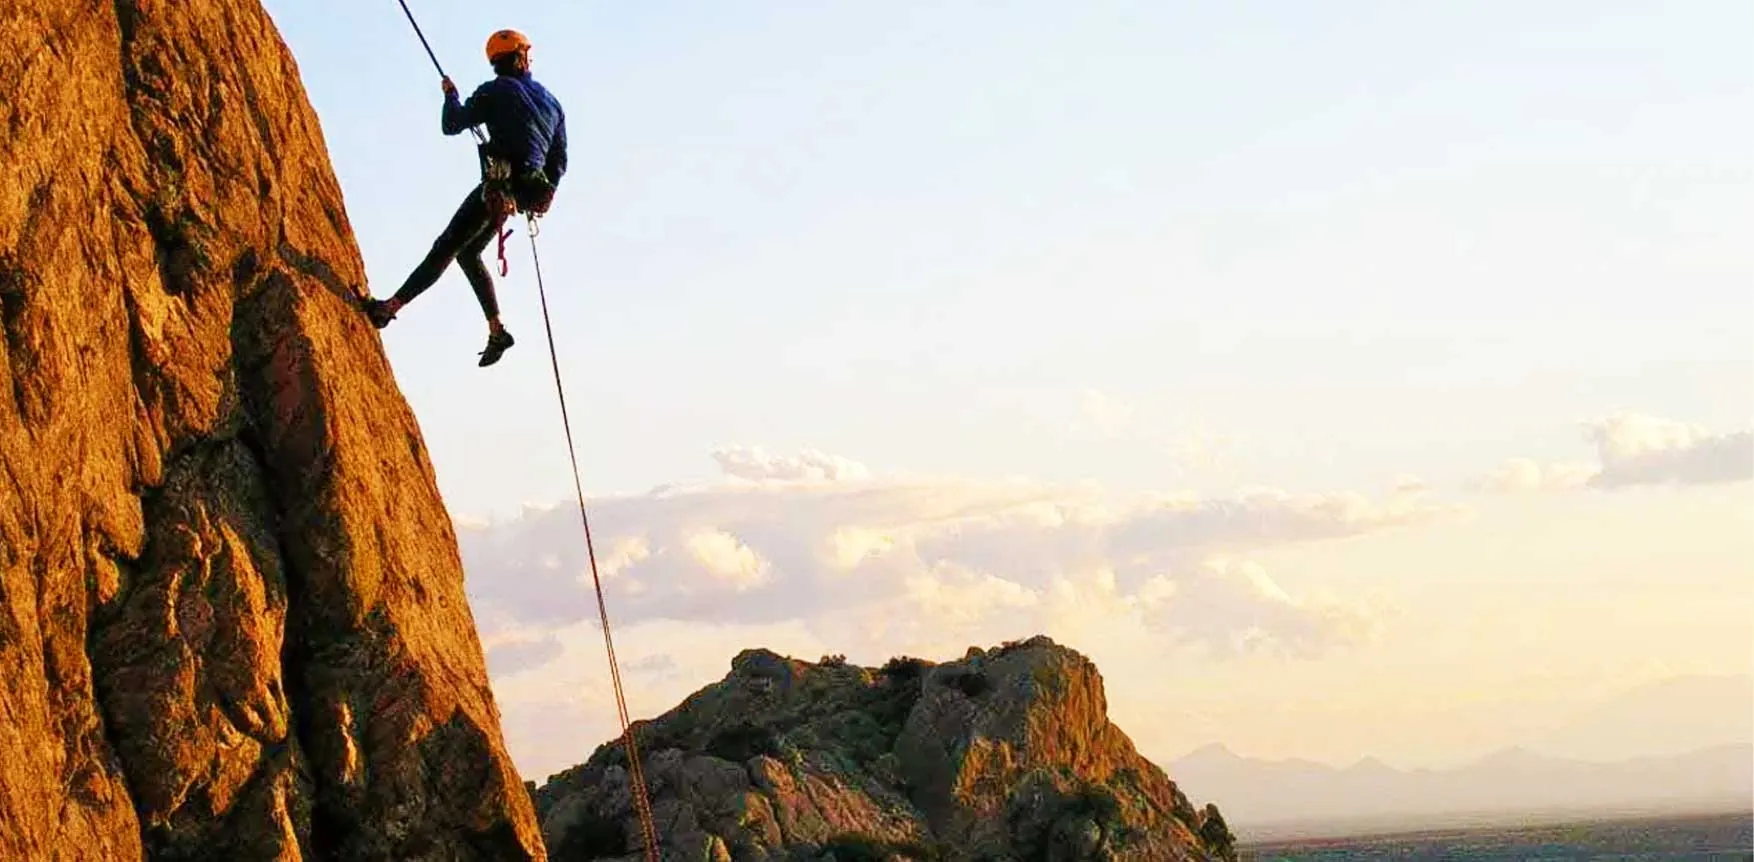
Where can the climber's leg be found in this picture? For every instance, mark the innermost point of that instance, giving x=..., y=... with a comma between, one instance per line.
x=466, y=223
x=475, y=269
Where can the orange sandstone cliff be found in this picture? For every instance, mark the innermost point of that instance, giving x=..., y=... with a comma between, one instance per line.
x=232, y=619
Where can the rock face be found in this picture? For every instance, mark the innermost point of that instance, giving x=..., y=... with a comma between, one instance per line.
x=1004, y=755
x=232, y=619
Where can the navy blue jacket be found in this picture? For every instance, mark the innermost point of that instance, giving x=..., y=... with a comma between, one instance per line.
x=525, y=124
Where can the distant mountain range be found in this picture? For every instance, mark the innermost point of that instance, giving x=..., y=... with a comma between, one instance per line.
x=1669, y=717
x=1269, y=792
x=1700, y=728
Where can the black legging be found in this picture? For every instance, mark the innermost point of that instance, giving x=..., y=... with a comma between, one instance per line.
x=463, y=240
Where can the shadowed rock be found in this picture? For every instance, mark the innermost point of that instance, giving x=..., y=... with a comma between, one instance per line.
x=232, y=620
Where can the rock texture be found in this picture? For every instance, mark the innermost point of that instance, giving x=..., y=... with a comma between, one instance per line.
x=232, y=619
x=1004, y=755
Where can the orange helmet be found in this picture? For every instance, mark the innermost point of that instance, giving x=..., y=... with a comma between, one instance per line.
x=506, y=42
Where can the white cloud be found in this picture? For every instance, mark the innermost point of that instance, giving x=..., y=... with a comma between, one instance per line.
x=950, y=594
x=1526, y=475
x=850, y=546
x=623, y=552
x=1234, y=606
x=755, y=465
x=1635, y=450
x=728, y=559
x=1644, y=450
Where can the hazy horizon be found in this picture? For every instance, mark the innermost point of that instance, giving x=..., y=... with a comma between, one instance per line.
x=1373, y=382
x=1666, y=717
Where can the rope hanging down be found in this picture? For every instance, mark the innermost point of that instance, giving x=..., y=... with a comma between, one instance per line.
x=636, y=771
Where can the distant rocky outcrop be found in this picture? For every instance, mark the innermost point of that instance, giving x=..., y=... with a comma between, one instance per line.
x=232, y=619
x=1006, y=754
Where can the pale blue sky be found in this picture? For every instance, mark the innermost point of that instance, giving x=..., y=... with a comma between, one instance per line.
x=1360, y=238
x=1346, y=240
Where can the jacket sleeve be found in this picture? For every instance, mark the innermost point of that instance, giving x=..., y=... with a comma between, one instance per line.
x=459, y=116
x=555, y=167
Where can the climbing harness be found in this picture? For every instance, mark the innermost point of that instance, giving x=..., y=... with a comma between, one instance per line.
x=500, y=194
x=636, y=771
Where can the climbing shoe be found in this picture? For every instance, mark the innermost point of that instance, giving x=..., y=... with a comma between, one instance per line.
x=378, y=311
x=497, y=343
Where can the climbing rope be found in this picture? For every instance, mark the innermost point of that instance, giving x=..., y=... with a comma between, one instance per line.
x=636, y=771
x=479, y=137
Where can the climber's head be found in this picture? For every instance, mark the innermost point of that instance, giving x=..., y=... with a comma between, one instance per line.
x=508, y=51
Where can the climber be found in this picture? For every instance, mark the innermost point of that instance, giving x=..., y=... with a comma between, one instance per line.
x=521, y=165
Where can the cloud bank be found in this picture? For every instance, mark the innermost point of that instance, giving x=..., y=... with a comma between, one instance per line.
x=813, y=554
x=766, y=549
x=1636, y=450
